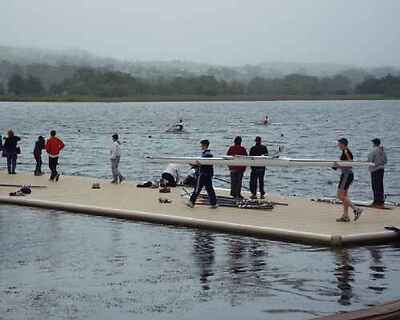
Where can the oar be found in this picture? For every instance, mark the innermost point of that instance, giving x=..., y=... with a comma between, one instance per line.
x=20, y=185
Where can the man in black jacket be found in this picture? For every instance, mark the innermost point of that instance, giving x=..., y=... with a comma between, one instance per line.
x=257, y=173
x=206, y=173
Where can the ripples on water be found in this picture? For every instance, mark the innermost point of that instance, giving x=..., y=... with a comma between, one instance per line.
x=64, y=266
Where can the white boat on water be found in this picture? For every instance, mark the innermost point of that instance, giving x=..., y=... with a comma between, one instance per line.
x=260, y=161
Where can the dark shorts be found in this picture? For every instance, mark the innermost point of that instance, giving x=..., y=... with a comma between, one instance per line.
x=346, y=179
x=169, y=178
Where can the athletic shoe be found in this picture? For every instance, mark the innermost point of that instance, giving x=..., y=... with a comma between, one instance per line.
x=190, y=204
x=114, y=182
x=214, y=206
x=57, y=177
x=121, y=179
x=357, y=213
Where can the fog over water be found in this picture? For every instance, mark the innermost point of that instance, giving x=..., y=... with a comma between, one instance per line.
x=359, y=32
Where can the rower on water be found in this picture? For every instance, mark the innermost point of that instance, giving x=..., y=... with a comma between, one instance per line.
x=204, y=179
x=266, y=120
x=346, y=179
x=179, y=125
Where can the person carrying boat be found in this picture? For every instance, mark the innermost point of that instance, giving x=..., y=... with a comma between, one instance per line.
x=11, y=151
x=346, y=179
x=170, y=176
x=257, y=173
x=115, y=157
x=237, y=172
x=379, y=158
x=54, y=145
x=204, y=179
x=40, y=145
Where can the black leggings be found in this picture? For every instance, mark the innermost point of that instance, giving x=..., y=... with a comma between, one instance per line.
x=53, y=163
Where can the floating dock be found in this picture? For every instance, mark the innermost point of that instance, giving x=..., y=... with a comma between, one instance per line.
x=301, y=221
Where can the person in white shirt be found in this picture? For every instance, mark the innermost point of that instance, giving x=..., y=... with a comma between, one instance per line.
x=115, y=157
x=170, y=176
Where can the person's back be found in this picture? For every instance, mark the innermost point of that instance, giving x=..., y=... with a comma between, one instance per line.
x=378, y=157
x=237, y=150
x=54, y=145
x=10, y=144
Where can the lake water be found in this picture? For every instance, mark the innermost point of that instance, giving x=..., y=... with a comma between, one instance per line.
x=66, y=266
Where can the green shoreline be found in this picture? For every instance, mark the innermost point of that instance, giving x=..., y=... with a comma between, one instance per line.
x=192, y=98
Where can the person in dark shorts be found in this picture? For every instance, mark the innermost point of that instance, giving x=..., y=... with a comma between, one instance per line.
x=40, y=145
x=204, y=179
x=346, y=179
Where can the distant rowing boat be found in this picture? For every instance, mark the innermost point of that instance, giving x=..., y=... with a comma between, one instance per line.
x=260, y=161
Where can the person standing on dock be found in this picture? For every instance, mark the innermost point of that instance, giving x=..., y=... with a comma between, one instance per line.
x=346, y=179
x=379, y=158
x=54, y=145
x=257, y=173
x=11, y=151
x=115, y=157
x=204, y=179
x=237, y=171
x=40, y=144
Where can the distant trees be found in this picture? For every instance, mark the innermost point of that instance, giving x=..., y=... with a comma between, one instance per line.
x=30, y=86
x=388, y=86
x=113, y=84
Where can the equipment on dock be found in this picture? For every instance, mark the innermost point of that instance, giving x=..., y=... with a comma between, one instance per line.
x=358, y=203
x=5, y=185
x=260, y=161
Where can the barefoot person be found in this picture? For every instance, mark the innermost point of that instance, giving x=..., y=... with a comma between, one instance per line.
x=346, y=179
x=54, y=145
x=378, y=157
x=204, y=179
x=115, y=157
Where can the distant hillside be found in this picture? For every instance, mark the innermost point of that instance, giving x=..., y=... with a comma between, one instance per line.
x=24, y=57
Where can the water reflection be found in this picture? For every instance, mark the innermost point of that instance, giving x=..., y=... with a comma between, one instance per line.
x=204, y=253
x=344, y=273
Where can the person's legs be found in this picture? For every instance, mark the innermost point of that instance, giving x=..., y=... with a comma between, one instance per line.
x=53, y=167
x=239, y=184
x=38, y=165
x=13, y=163
x=114, y=170
x=9, y=164
x=120, y=176
x=380, y=192
x=233, y=183
x=253, y=182
x=374, y=183
x=196, y=191
x=212, y=198
x=261, y=175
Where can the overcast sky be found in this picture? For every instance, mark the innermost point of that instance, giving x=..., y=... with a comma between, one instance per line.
x=361, y=32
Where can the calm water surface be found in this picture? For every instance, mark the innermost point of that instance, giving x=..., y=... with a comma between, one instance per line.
x=66, y=266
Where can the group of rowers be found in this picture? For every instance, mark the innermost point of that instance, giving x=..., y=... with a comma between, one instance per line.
x=204, y=175
x=201, y=176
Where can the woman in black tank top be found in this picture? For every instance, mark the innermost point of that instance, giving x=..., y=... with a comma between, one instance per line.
x=346, y=179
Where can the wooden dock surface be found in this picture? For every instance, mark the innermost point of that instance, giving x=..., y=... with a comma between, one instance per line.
x=301, y=221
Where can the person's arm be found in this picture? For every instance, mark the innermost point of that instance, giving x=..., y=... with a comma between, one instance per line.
x=385, y=160
x=47, y=146
x=17, y=138
x=61, y=144
x=229, y=152
x=265, y=151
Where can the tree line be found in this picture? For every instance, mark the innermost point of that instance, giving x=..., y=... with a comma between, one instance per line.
x=112, y=84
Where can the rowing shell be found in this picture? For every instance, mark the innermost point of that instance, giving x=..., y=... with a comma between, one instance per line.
x=260, y=161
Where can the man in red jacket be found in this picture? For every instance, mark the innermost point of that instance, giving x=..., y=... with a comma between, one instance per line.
x=237, y=172
x=54, y=146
